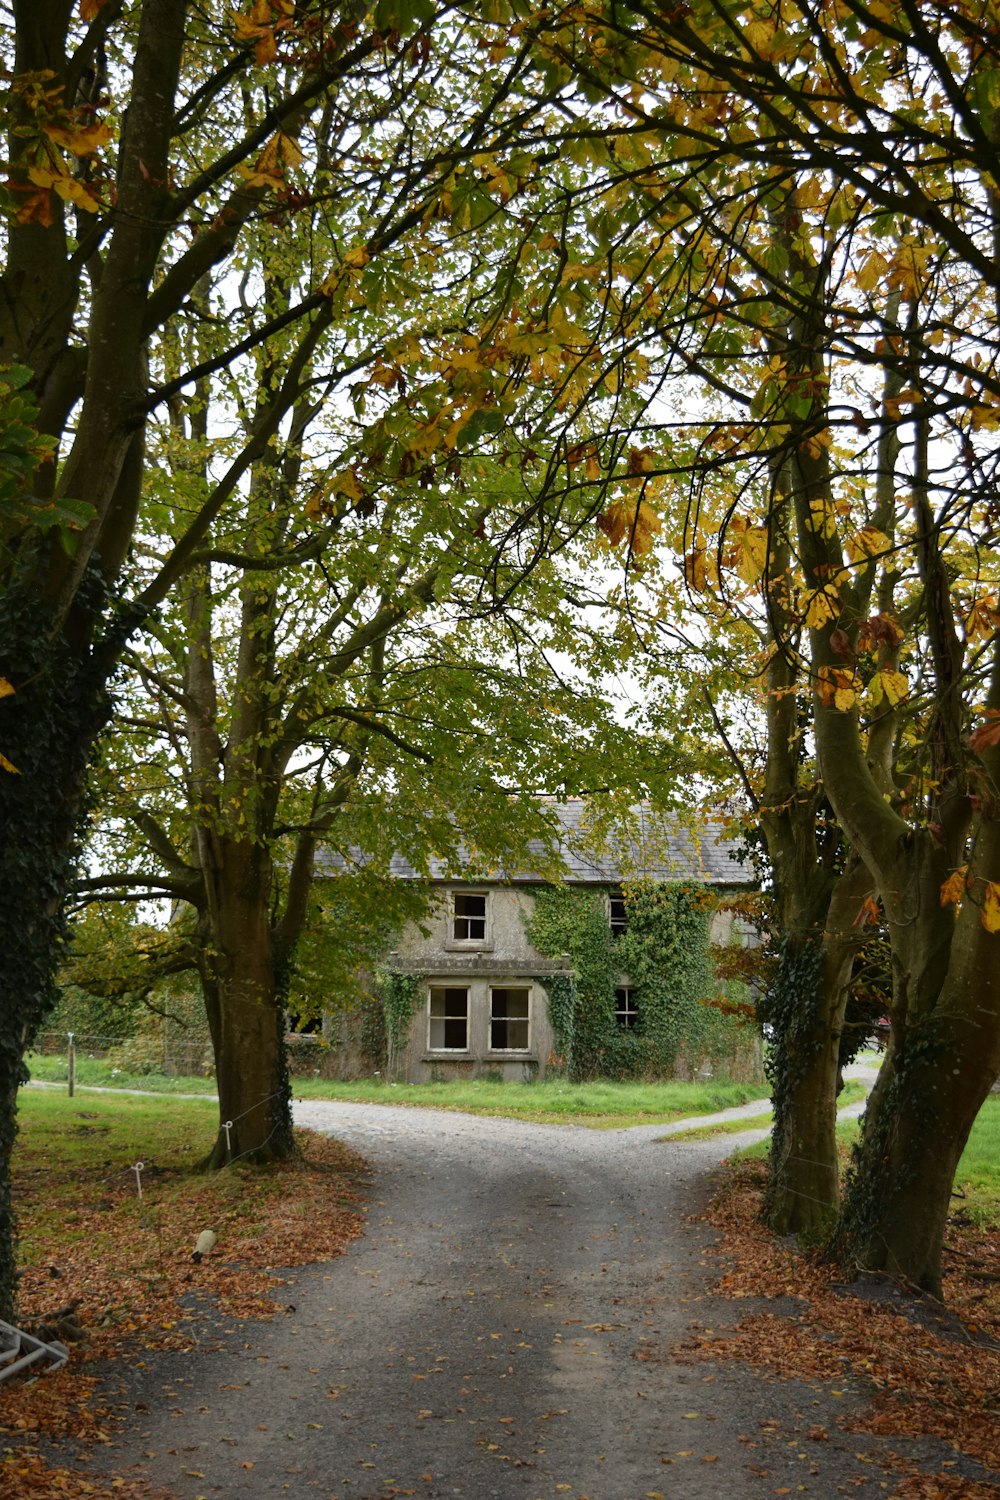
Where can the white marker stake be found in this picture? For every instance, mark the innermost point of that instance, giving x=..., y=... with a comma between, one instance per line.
x=138, y=1169
x=227, y=1127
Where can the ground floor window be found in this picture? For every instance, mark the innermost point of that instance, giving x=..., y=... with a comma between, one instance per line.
x=509, y=1016
x=449, y=1018
x=626, y=1009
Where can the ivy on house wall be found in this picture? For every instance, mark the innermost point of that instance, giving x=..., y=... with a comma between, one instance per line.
x=398, y=999
x=664, y=952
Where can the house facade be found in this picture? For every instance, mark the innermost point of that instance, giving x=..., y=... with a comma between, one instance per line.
x=480, y=991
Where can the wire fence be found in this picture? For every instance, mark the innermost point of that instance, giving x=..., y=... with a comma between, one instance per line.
x=150, y=1058
x=161, y=1054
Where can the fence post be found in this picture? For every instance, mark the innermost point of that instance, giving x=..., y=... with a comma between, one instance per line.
x=71, y=1065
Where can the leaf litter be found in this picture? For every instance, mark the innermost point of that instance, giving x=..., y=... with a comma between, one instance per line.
x=932, y=1369
x=128, y=1268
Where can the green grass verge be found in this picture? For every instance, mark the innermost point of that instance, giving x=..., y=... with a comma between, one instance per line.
x=96, y=1073
x=601, y=1105
x=977, y=1181
x=852, y=1091
x=91, y=1142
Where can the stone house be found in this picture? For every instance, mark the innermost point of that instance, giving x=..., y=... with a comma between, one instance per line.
x=480, y=991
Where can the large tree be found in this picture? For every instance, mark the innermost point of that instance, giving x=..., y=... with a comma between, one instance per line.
x=144, y=144
x=797, y=209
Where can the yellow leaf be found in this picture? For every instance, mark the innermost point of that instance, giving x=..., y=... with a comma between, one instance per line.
x=291, y=152
x=985, y=418
x=5, y=765
x=991, y=906
x=822, y=518
x=82, y=140
x=820, y=607
x=749, y=552
x=866, y=543
x=346, y=483
x=890, y=685
x=638, y=524
x=695, y=570
x=838, y=688
x=983, y=618
x=6, y=688
x=874, y=271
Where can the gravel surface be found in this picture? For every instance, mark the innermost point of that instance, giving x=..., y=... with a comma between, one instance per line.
x=502, y=1330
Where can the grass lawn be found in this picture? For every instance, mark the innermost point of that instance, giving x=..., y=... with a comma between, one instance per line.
x=602, y=1105
x=852, y=1091
x=96, y=1073
x=977, y=1181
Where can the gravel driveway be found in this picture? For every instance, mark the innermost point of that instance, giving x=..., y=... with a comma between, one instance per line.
x=502, y=1330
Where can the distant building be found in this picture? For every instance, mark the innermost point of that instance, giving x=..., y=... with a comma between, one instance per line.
x=481, y=1003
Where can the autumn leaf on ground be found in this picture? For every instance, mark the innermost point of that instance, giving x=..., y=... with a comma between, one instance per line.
x=924, y=1379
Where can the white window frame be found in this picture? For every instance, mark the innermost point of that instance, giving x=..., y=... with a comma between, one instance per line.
x=431, y=1018
x=507, y=1051
x=479, y=944
x=627, y=1012
x=617, y=923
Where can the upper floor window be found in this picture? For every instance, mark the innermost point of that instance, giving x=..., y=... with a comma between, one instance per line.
x=468, y=922
x=617, y=913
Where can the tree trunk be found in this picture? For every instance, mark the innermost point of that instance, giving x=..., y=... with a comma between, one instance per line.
x=49, y=724
x=245, y=1011
x=803, y=1185
x=941, y=1064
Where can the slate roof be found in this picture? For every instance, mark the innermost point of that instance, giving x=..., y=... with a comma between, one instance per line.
x=656, y=846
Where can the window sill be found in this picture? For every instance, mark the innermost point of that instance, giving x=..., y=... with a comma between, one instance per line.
x=467, y=945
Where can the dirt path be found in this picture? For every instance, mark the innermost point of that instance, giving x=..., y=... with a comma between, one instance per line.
x=501, y=1331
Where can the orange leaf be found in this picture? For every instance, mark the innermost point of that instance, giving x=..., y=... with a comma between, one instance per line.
x=36, y=208
x=625, y=520
x=868, y=912
x=266, y=49
x=987, y=734
x=838, y=688
x=954, y=887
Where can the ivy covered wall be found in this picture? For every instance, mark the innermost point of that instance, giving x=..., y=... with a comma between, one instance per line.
x=664, y=952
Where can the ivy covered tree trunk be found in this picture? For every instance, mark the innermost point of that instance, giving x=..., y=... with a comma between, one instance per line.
x=945, y=1050
x=808, y=1011
x=49, y=722
x=943, y=1058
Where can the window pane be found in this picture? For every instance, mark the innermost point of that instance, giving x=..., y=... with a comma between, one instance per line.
x=509, y=1010
x=626, y=1009
x=617, y=913
x=470, y=916
x=449, y=1018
